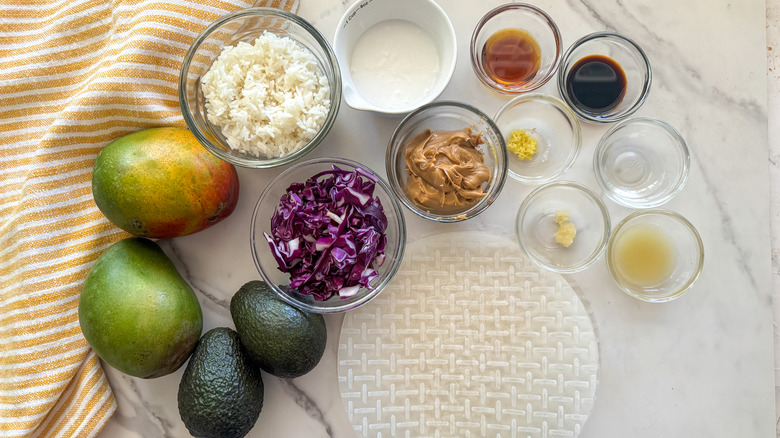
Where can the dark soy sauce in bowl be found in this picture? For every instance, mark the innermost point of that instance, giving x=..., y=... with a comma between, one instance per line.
x=596, y=84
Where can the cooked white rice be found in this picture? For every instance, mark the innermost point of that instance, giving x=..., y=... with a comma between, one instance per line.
x=269, y=97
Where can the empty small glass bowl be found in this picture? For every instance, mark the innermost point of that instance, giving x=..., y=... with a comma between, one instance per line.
x=655, y=255
x=590, y=90
x=279, y=281
x=543, y=233
x=447, y=116
x=554, y=127
x=246, y=25
x=544, y=35
x=641, y=162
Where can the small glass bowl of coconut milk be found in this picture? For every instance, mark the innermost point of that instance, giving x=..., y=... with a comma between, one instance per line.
x=394, y=55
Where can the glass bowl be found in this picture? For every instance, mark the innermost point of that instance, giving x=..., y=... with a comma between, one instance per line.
x=544, y=214
x=596, y=81
x=266, y=263
x=655, y=255
x=555, y=128
x=246, y=25
x=447, y=116
x=641, y=162
x=510, y=18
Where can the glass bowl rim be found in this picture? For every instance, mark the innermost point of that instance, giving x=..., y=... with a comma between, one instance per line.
x=609, y=36
x=332, y=67
x=394, y=147
x=675, y=216
x=368, y=295
x=591, y=259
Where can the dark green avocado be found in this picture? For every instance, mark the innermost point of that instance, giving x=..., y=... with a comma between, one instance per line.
x=220, y=393
x=281, y=339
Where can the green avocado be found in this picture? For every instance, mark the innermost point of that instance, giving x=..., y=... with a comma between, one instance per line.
x=137, y=312
x=282, y=340
x=220, y=393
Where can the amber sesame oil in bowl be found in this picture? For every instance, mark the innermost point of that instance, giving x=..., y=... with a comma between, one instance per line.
x=515, y=48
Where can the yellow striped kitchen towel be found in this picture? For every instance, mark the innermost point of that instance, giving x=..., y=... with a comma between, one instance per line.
x=74, y=75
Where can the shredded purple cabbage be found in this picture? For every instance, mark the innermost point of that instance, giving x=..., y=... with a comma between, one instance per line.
x=329, y=233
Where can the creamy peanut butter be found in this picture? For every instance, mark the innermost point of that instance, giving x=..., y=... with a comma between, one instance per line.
x=446, y=170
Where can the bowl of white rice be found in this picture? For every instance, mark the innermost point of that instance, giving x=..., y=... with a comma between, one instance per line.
x=260, y=87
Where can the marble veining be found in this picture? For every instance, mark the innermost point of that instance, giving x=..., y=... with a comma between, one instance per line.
x=311, y=408
x=135, y=412
x=701, y=366
x=200, y=285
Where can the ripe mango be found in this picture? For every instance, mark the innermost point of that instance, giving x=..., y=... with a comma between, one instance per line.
x=137, y=312
x=161, y=183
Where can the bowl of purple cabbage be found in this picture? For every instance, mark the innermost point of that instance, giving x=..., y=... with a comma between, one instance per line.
x=328, y=235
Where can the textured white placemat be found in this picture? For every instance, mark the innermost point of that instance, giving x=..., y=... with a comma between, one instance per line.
x=469, y=340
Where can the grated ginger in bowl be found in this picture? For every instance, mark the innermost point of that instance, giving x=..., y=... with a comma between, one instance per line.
x=521, y=144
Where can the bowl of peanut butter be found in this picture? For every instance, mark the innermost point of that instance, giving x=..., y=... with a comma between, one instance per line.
x=447, y=161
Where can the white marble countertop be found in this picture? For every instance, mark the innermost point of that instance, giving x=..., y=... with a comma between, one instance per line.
x=701, y=366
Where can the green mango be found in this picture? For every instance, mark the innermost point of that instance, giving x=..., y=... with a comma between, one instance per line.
x=137, y=312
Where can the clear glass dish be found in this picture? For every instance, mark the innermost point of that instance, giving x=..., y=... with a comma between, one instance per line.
x=279, y=281
x=538, y=24
x=655, y=255
x=641, y=162
x=555, y=128
x=246, y=25
x=631, y=59
x=538, y=223
x=447, y=116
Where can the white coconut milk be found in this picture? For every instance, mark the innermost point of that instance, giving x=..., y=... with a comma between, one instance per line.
x=395, y=63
